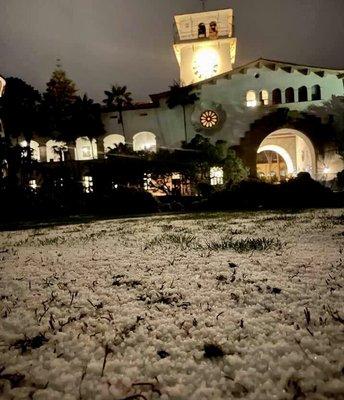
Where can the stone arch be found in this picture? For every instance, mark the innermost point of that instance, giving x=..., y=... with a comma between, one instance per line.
x=110, y=141
x=282, y=152
x=144, y=141
x=84, y=149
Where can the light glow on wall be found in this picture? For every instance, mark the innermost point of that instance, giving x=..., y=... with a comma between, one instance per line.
x=251, y=98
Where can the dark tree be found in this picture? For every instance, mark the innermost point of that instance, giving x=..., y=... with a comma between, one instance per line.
x=118, y=99
x=57, y=105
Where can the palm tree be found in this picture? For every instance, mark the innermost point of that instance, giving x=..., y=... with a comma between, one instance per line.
x=181, y=96
x=86, y=119
x=118, y=98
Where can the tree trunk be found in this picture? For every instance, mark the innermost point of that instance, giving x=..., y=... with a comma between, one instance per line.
x=184, y=119
x=121, y=121
x=12, y=166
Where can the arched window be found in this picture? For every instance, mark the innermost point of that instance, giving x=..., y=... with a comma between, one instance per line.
x=303, y=94
x=202, y=31
x=316, y=92
x=276, y=96
x=144, y=141
x=110, y=141
x=34, y=146
x=289, y=95
x=84, y=149
x=55, y=150
x=251, y=99
x=264, y=97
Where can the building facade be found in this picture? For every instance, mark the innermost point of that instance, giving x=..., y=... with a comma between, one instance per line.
x=256, y=108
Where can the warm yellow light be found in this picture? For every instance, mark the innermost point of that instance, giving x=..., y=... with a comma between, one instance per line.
x=216, y=176
x=206, y=63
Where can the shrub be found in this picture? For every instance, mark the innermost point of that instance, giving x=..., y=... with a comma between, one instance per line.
x=299, y=192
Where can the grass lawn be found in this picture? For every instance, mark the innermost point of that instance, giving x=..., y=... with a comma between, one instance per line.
x=218, y=306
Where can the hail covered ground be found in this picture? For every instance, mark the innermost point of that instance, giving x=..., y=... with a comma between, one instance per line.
x=213, y=306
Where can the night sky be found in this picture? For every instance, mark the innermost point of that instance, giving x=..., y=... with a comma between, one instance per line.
x=101, y=42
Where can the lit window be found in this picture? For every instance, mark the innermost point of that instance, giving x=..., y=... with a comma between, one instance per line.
x=33, y=184
x=216, y=176
x=176, y=175
x=251, y=99
x=87, y=183
x=147, y=178
x=264, y=97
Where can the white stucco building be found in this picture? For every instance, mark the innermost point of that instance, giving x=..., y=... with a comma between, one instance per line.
x=244, y=105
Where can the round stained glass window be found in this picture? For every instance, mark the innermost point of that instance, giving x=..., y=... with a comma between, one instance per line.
x=209, y=119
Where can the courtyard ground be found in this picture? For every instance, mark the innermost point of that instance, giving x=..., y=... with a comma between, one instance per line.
x=205, y=306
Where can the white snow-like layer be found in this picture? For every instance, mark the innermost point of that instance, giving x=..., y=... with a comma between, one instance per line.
x=152, y=292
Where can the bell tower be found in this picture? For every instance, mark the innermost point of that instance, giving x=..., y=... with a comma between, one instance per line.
x=204, y=44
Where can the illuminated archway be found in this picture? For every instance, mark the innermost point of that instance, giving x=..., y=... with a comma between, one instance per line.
x=55, y=150
x=85, y=150
x=144, y=141
x=34, y=146
x=110, y=141
x=294, y=147
x=282, y=152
